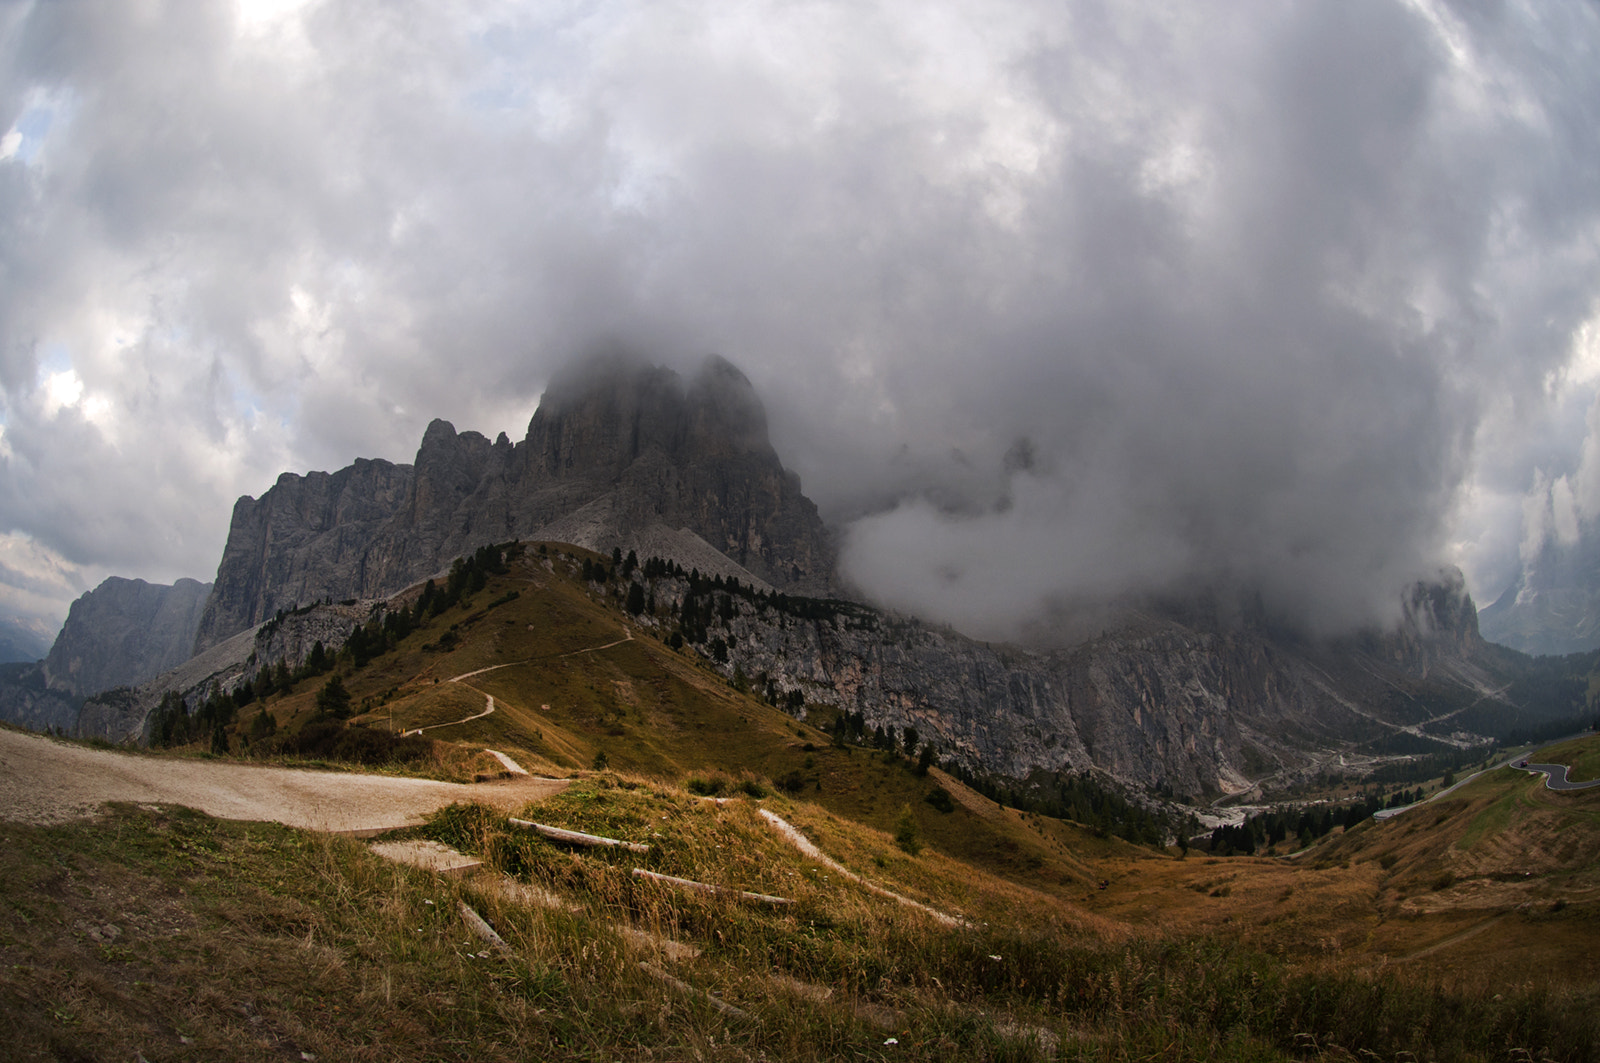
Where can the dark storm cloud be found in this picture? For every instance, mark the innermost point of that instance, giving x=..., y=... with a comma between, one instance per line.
x=1260, y=287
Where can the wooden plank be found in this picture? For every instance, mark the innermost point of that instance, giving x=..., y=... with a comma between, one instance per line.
x=561, y=834
x=706, y=887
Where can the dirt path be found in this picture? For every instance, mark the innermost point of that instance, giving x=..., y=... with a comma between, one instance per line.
x=488, y=710
x=44, y=781
x=1447, y=942
x=627, y=636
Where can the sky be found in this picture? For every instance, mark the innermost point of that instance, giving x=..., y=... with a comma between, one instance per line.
x=1052, y=304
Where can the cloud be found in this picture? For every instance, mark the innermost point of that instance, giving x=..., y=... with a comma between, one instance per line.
x=1275, y=293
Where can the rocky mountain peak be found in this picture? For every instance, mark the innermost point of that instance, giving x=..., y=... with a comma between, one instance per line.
x=597, y=418
x=725, y=414
x=618, y=453
x=1553, y=605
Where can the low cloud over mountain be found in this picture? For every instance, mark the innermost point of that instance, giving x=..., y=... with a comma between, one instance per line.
x=1050, y=304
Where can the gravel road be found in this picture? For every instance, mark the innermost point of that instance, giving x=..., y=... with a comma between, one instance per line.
x=45, y=781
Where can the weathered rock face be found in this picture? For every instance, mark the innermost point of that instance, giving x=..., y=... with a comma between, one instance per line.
x=124, y=715
x=1153, y=703
x=1553, y=606
x=124, y=632
x=616, y=454
x=308, y=538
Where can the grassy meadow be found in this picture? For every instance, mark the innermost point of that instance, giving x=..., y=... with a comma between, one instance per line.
x=1467, y=928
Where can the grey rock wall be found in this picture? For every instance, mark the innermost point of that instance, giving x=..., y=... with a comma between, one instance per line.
x=124, y=632
x=1154, y=702
x=641, y=451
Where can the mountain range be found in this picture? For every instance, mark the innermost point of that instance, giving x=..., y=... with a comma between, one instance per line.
x=623, y=457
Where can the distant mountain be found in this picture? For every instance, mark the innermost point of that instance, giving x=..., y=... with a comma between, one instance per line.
x=22, y=640
x=124, y=632
x=1553, y=606
x=1168, y=699
x=618, y=455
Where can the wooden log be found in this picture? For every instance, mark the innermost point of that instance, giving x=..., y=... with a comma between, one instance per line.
x=706, y=887
x=479, y=926
x=574, y=837
x=722, y=1006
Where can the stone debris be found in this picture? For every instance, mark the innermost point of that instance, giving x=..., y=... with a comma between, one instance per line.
x=428, y=855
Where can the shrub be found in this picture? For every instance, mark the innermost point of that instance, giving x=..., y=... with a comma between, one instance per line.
x=703, y=787
x=907, y=834
x=329, y=739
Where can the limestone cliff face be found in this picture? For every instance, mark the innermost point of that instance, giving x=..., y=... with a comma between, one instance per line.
x=698, y=458
x=1553, y=605
x=307, y=538
x=617, y=453
x=123, y=632
x=1154, y=702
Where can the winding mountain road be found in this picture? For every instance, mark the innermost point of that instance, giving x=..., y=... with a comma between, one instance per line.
x=1556, y=776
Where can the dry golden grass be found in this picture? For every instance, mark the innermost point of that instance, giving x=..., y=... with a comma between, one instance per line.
x=1465, y=929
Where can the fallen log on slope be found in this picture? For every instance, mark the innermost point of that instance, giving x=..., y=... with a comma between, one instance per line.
x=706, y=887
x=481, y=927
x=574, y=837
x=722, y=1006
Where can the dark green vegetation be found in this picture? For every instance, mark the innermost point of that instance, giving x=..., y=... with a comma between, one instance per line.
x=1466, y=928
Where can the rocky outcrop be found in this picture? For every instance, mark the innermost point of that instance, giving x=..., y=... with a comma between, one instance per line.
x=308, y=538
x=123, y=715
x=1553, y=606
x=124, y=632
x=1156, y=702
x=618, y=454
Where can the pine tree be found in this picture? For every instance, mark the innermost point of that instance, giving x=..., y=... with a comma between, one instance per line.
x=333, y=699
